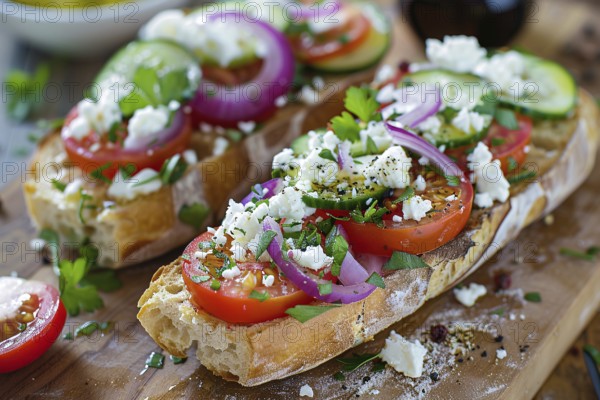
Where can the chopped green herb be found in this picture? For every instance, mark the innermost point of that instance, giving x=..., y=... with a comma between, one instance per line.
x=407, y=194
x=234, y=134
x=371, y=214
x=87, y=328
x=512, y=164
x=327, y=155
x=361, y=102
x=83, y=199
x=58, y=185
x=21, y=327
x=74, y=295
x=155, y=360
x=533, y=297
x=355, y=362
x=520, y=177
x=200, y=278
x=303, y=312
x=506, y=118
x=326, y=225
x=337, y=247
x=346, y=127
x=193, y=215
x=593, y=352
x=339, y=376
x=402, y=260
x=594, y=250
x=112, y=132
x=376, y=280
x=263, y=242
x=343, y=39
x=98, y=173
x=215, y=285
x=325, y=288
x=371, y=146
x=178, y=360
x=587, y=256
x=452, y=180
x=68, y=336
x=378, y=366
x=103, y=279
x=23, y=91
x=259, y=296
x=499, y=312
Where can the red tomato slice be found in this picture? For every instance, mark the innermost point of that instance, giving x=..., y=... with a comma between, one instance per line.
x=39, y=317
x=505, y=144
x=416, y=237
x=231, y=302
x=334, y=42
x=95, y=150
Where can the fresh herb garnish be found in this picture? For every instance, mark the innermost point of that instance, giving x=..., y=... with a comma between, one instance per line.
x=68, y=336
x=499, y=312
x=103, y=279
x=371, y=146
x=407, y=194
x=533, y=297
x=325, y=288
x=376, y=280
x=498, y=141
x=303, y=312
x=98, y=173
x=358, y=360
x=371, y=214
x=215, y=285
x=83, y=199
x=452, y=180
x=259, y=296
x=402, y=260
x=200, y=278
x=155, y=360
x=24, y=91
x=346, y=127
x=172, y=169
x=327, y=155
x=194, y=214
x=339, y=376
x=58, y=185
x=506, y=118
x=74, y=295
x=337, y=247
x=89, y=327
x=177, y=360
x=589, y=255
x=361, y=102
x=263, y=242
x=520, y=177
x=326, y=225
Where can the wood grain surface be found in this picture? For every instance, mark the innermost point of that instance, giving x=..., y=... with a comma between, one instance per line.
x=111, y=365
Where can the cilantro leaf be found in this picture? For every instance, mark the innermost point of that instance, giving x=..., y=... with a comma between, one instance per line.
x=402, y=260
x=345, y=127
x=74, y=296
x=407, y=194
x=361, y=102
x=303, y=312
x=376, y=280
x=194, y=214
x=337, y=247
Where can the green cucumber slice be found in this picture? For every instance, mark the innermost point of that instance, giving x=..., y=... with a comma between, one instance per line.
x=173, y=69
x=552, y=94
x=330, y=199
x=369, y=53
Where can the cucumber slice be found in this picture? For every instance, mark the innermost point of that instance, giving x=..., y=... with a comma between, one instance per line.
x=552, y=90
x=457, y=89
x=332, y=199
x=369, y=53
x=175, y=74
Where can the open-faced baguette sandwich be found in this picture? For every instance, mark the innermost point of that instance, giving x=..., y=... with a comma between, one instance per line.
x=186, y=118
x=402, y=195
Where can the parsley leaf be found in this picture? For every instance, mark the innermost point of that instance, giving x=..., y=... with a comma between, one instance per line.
x=587, y=256
x=345, y=127
x=533, y=297
x=259, y=296
x=337, y=247
x=74, y=296
x=361, y=102
x=402, y=260
x=499, y=312
x=593, y=352
x=103, y=279
x=98, y=173
x=506, y=118
x=358, y=360
x=194, y=214
x=24, y=91
x=371, y=214
x=327, y=155
x=173, y=168
x=376, y=280
x=303, y=312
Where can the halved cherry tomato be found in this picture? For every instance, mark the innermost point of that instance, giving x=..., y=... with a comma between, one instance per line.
x=334, y=42
x=96, y=150
x=437, y=228
x=506, y=145
x=33, y=317
x=231, y=302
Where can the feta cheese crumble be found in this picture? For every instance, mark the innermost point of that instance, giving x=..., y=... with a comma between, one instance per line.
x=312, y=258
x=231, y=273
x=467, y=296
x=469, y=121
x=129, y=188
x=457, y=53
x=420, y=183
x=98, y=116
x=404, y=356
x=416, y=208
x=144, y=126
x=306, y=391
x=220, y=146
x=501, y=354
x=317, y=169
x=390, y=169
x=488, y=177
x=378, y=133
x=268, y=280
x=285, y=160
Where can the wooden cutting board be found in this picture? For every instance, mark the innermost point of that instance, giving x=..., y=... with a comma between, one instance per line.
x=112, y=365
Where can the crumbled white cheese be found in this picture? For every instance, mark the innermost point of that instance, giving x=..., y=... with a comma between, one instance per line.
x=467, y=296
x=281, y=101
x=386, y=94
x=457, y=53
x=415, y=208
x=78, y=128
x=404, y=356
x=423, y=161
x=452, y=197
x=285, y=160
x=268, y=280
x=469, y=121
x=306, y=391
x=420, y=184
x=288, y=204
x=384, y=73
x=163, y=25
x=190, y=156
x=505, y=70
x=130, y=188
x=431, y=125
x=397, y=218
x=37, y=244
x=312, y=258
x=308, y=95
x=488, y=177
x=390, y=169
x=99, y=116
x=378, y=133
x=501, y=354
x=231, y=273
x=247, y=126
x=220, y=146
x=72, y=189
x=317, y=169
x=144, y=126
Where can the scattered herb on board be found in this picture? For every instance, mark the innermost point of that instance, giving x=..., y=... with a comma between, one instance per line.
x=499, y=312
x=533, y=297
x=588, y=255
x=352, y=363
x=89, y=327
x=68, y=336
x=304, y=313
x=177, y=360
x=155, y=360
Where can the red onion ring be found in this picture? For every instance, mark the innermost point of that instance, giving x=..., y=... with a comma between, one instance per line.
x=351, y=271
x=420, y=146
x=273, y=186
x=250, y=101
x=306, y=283
x=428, y=109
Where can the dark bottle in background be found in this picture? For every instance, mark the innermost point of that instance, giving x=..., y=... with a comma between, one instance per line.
x=493, y=22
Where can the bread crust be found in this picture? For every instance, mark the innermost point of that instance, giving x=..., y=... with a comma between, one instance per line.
x=564, y=153
x=131, y=232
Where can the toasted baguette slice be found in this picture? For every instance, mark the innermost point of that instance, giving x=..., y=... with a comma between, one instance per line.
x=130, y=232
x=564, y=153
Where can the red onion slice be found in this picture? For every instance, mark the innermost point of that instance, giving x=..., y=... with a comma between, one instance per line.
x=351, y=272
x=254, y=100
x=308, y=284
x=431, y=105
x=273, y=186
x=414, y=143
x=345, y=161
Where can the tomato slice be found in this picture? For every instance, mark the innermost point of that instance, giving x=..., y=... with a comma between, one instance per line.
x=334, y=42
x=506, y=145
x=95, y=150
x=231, y=302
x=32, y=318
x=437, y=228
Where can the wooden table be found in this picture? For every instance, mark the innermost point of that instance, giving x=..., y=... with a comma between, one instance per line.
x=95, y=366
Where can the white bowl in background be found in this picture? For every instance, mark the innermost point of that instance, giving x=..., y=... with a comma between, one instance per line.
x=80, y=32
